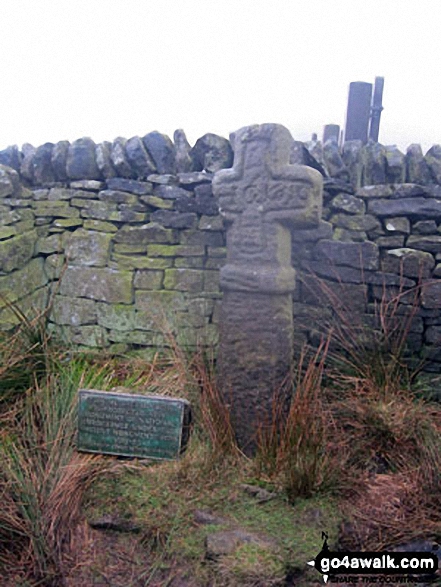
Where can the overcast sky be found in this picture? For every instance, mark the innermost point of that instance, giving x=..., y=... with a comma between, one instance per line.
x=108, y=68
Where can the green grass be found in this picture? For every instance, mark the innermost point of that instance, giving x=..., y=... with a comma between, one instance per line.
x=164, y=508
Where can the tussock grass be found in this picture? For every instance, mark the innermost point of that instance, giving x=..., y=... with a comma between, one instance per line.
x=295, y=452
x=24, y=354
x=42, y=477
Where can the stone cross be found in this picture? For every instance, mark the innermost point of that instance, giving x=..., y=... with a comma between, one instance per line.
x=262, y=197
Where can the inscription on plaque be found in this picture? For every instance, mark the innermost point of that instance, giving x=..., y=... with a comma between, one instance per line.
x=132, y=425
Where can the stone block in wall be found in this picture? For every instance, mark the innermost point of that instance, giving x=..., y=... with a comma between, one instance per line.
x=105, y=211
x=211, y=223
x=415, y=207
x=59, y=193
x=171, y=219
x=398, y=224
x=374, y=171
x=7, y=231
x=191, y=337
x=201, y=306
x=425, y=227
x=116, y=316
x=191, y=319
x=206, y=203
x=347, y=274
x=16, y=251
x=138, y=337
x=102, y=284
x=417, y=170
x=205, y=238
x=190, y=280
x=429, y=242
x=148, y=279
x=189, y=262
x=163, y=179
x=158, y=310
x=358, y=255
x=119, y=158
x=27, y=167
x=433, y=160
x=22, y=282
x=217, y=252
x=63, y=223
x=118, y=197
x=129, y=249
x=349, y=204
x=146, y=234
x=73, y=311
x=161, y=150
x=352, y=156
x=88, y=204
x=186, y=203
x=104, y=161
x=11, y=157
x=91, y=336
x=211, y=281
x=138, y=158
x=81, y=160
x=10, y=184
x=158, y=203
x=170, y=192
x=413, y=190
x=390, y=242
x=323, y=231
x=17, y=202
x=53, y=266
x=184, y=162
x=395, y=165
x=43, y=172
x=59, y=160
x=431, y=295
x=192, y=179
x=55, y=209
x=50, y=244
x=211, y=153
x=88, y=248
x=87, y=185
x=139, y=262
x=31, y=305
x=175, y=250
x=408, y=262
x=333, y=161
x=214, y=263
x=370, y=192
x=365, y=222
x=8, y=216
x=100, y=225
x=319, y=294
x=433, y=335
x=344, y=235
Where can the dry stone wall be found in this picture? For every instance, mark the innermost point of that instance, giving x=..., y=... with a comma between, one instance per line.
x=125, y=236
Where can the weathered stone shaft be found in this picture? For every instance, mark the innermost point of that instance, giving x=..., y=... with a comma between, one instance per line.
x=261, y=198
x=256, y=331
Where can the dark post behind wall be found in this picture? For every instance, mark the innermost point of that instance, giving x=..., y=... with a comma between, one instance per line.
x=358, y=111
x=377, y=108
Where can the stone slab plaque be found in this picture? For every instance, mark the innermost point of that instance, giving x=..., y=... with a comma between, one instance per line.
x=125, y=424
